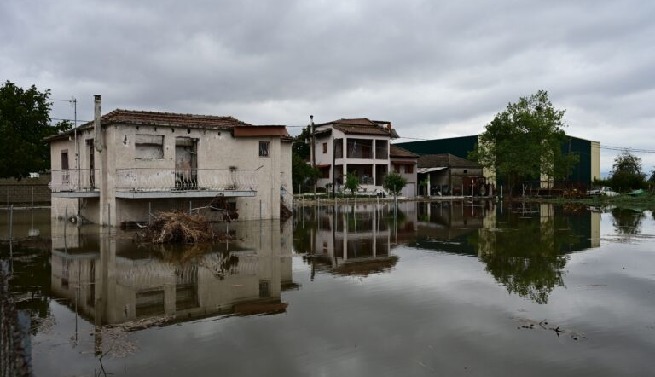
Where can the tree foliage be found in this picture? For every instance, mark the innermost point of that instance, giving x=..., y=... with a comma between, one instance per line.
x=303, y=175
x=626, y=173
x=525, y=142
x=394, y=183
x=352, y=183
x=300, y=146
x=24, y=123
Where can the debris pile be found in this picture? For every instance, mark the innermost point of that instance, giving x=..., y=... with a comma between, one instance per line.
x=179, y=227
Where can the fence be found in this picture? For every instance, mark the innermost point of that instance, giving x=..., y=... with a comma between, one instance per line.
x=25, y=191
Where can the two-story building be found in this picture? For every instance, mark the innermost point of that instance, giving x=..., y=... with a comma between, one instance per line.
x=356, y=146
x=126, y=165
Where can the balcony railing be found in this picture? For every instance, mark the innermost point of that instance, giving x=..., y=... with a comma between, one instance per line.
x=73, y=180
x=159, y=180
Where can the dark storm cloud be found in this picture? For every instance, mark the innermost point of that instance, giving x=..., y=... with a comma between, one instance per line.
x=434, y=69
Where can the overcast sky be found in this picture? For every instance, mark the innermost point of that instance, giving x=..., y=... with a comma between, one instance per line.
x=433, y=68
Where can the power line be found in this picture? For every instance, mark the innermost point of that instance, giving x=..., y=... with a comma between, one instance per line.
x=71, y=120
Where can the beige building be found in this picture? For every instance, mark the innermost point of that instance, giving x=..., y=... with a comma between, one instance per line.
x=361, y=147
x=126, y=165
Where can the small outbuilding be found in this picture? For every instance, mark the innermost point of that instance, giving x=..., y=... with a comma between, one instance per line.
x=447, y=174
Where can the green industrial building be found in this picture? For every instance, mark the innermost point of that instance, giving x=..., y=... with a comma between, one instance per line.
x=583, y=174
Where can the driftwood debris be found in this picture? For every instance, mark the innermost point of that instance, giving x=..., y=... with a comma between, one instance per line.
x=179, y=227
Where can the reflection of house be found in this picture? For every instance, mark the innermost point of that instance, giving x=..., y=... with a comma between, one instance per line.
x=446, y=174
x=112, y=283
x=351, y=240
x=127, y=164
x=446, y=225
x=356, y=146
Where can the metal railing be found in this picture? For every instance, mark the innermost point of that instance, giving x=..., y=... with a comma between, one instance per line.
x=189, y=179
x=73, y=180
x=156, y=180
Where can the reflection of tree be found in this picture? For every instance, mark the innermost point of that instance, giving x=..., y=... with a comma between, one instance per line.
x=30, y=284
x=526, y=256
x=627, y=221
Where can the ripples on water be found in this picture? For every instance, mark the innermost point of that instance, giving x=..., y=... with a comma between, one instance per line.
x=451, y=288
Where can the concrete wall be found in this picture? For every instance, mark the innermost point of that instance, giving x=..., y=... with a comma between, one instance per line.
x=217, y=150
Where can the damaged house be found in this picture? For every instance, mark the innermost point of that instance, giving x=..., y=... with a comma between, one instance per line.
x=126, y=165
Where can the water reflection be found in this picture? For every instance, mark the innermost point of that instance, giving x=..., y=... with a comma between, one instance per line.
x=523, y=247
x=627, y=222
x=353, y=239
x=110, y=279
x=527, y=249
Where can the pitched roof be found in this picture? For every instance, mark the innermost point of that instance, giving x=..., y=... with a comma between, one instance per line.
x=153, y=118
x=362, y=126
x=445, y=160
x=166, y=119
x=398, y=152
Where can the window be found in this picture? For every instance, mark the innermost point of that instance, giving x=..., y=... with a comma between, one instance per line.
x=264, y=148
x=409, y=169
x=324, y=147
x=64, y=159
x=149, y=147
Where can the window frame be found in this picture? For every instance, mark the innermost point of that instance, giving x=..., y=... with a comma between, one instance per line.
x=266, y=151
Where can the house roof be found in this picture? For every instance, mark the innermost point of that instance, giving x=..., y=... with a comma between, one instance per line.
x=445, y=160
x=169, y=119
x=398, y=152
x=362, y=126
x=166, y=119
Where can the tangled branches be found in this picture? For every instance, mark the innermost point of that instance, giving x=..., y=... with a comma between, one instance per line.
x=179, y=227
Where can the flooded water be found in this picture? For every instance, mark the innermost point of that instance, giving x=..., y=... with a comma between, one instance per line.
x=450, y=289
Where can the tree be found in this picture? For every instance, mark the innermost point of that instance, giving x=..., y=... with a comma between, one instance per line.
x=394, y=183
x=626, y=173
x=300, y=146
x=302, y=174
x=24, y=123
x=525, y=142
x=352, y=183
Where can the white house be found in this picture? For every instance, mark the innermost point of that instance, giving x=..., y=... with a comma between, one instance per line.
x=126, y=165
x=356, y=146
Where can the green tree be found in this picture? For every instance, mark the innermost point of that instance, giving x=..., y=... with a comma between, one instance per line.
x=300, y=146
x=626, y=173
x=525, y=141
x=394, y=183
x=352, y=183
x=303, y=175
x=24, y=123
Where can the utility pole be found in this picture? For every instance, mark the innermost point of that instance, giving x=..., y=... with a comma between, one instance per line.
x=73, y=101
x=313, y=146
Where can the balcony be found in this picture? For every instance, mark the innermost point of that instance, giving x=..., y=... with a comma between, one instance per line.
x=74, y=183
x=157, y=183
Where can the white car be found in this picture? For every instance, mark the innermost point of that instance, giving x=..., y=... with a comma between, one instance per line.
x=605, y=191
